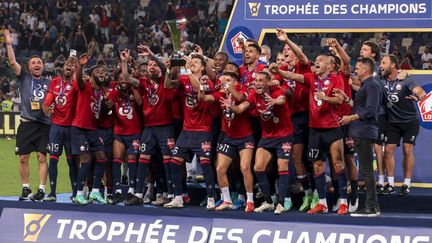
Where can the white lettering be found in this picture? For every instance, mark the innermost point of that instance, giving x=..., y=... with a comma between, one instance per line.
x=304, y=237
x=77, y=231
x=91, y=228
x=232, y=235
x=277, y=238
x=116, y=229
x=346, y=236
x=139, y=233
x=63, y=223
x=378, y=238
x=194, y=231
x=168, y=233
x=152, y=232
x=321, y=239
x=214, y=235
x=260, y=233
x=421, y=238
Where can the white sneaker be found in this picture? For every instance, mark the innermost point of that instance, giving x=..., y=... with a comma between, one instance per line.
x=353, y=207
x=280, y=209
x=173, y=204
x=211, y=205
x=146, y=199
x=336, y=207
x=264, y=206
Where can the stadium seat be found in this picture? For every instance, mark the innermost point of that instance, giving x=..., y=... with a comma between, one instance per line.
x=407, y=42
x=421, y=50
x=324, y=42
x=107, y=47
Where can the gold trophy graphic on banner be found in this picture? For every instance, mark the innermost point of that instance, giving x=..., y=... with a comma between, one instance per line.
x=175, y=27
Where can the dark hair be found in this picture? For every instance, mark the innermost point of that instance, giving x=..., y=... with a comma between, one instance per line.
x=203, y=62
x=234, y=64
x=369, y=62
x=266, y=74
x=256, y=46
x=223, y=54
x=337, y=60
x=252, y=40
x=374, y=48
x=232, y=75
x=393, y=59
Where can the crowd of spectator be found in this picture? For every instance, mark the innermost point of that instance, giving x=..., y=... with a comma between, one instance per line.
x=51, y=28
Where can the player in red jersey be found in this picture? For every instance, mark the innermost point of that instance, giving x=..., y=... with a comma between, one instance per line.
x=341, y=62
x=196, y=137
x=275, y=113
x=237, y=138
x=158, y=132
x=60, y=105
x=297, y=62
x=325, y=133
x=125, y=101
x=85, y=138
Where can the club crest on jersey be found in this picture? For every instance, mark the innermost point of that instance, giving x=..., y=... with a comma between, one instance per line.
x=206, y=146
x=170, y=143
x=229, y=114
x=153, y=100
x=266, y=115
x=286, y=147
x=60, y=100
x=327, y=82
x=191, y=101
x=425, y=108
x=398, y=87
x=249, y=145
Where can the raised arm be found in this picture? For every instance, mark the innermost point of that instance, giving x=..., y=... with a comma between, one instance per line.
x=16, y=68
x=286, y=74
x=282, y=36
x=83, y=60
x=332, y=42
x=124, y=58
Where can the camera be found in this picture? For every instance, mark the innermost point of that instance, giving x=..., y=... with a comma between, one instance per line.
x=176, y=60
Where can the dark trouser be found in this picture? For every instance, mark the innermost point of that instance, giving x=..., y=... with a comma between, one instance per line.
x=364, y=148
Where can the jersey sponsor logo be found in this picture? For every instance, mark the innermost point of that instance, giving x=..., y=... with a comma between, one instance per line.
x=191, y=101
x=254, y=9
x=33, y=225
x=229, y=114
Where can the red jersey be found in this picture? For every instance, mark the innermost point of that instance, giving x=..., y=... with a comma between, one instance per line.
x=177, y=106
x=275, y=122
x=126, y=119
x=248, y=77
x=235, y=126
x=344, y=109
x=300, y=98
x=89, y=106
x=65, y=101
x=157, y=102
x=106, y=118
x=197, y=115
x=321, y=113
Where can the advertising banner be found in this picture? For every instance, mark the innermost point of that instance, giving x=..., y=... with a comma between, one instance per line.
x=27, y=225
